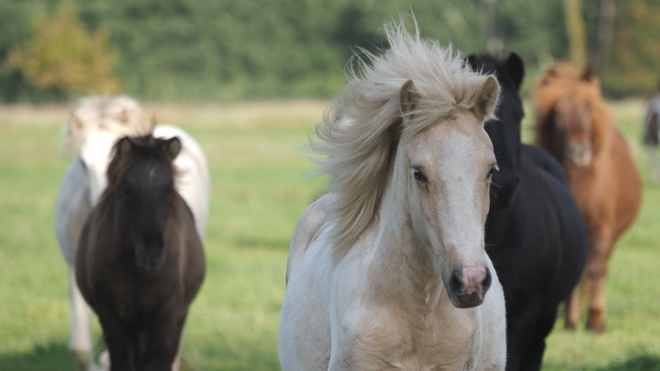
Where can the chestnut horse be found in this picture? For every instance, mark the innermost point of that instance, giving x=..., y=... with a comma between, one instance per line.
x=574, y=125
x=140, y=262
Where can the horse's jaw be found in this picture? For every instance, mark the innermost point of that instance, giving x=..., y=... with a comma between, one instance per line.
x=580, y=162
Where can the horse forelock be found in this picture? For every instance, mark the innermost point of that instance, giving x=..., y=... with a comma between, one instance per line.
x=563, y=80
x=361, y=131
x=143, y=147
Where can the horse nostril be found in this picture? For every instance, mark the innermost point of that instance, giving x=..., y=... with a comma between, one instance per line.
x=456, y=282
x=487, y=281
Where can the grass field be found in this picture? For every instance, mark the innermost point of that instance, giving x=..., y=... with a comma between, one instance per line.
x=259, y=191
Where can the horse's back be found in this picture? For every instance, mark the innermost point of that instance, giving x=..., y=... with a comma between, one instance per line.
x=193, y=182
x=306, y=230
x=545, y=161
x=71, y=209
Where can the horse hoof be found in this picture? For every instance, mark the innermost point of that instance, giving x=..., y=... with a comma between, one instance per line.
x=596, y=327
x=569, y=326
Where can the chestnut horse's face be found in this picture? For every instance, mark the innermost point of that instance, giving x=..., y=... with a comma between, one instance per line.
x=572, y=116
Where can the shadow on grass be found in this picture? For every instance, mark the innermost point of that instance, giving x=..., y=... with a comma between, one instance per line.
x=53, y=356
x=645, y=362
x=639, y=362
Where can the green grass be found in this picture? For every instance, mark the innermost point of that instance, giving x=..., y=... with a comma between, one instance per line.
x=259, y=191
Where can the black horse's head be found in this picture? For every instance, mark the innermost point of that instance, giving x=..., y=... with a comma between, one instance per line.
x=142, y=177
x=505, y=131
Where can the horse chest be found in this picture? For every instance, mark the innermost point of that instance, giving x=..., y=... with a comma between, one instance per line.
x=422, y=342
x=134, y=296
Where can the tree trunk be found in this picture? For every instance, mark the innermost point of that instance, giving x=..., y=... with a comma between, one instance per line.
x=576, y=32
x=605, y=32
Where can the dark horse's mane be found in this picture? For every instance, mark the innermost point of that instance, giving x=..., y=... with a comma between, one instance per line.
x=123, y=159
x=560, y=80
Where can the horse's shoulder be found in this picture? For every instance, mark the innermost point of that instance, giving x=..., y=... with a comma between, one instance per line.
x=307, y=230
x=543, y=161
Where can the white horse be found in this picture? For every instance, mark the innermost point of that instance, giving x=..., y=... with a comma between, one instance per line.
x=388, y=271
x=95, y=125
x=651, y=139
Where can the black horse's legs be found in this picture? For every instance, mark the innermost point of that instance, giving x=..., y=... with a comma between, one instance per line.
x=533, y=356
x=119, y=341
x=162, y=342
x=522, y=317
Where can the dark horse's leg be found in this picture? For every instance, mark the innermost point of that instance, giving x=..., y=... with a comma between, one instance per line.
x=119, y=341
x=162, y=343
x=533, y=355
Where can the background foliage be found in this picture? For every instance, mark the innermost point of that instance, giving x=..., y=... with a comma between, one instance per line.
x=226, y=49
x=61, y=57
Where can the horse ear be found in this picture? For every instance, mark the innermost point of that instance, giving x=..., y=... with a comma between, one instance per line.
x=76, y=124
x=408, y=97
x=153, y=122
x=173, y=147
x=125, y=146
x=471, y=61
x=516, y=69
x=588, y=74
x=487, y=97
x=124, y=116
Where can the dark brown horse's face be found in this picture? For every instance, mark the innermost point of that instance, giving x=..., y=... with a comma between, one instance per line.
x=146, y=191
x=572, y=116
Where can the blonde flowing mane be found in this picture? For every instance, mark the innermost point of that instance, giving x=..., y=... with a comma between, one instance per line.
x=562, y=79
x=121, y=115
x=361, y=130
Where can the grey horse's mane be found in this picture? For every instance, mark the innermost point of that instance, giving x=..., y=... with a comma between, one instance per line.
x=120, y=115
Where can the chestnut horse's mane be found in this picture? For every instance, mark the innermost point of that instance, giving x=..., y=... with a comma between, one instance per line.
x=560, y=80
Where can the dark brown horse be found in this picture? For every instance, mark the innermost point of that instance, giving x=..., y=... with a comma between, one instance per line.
x=140, y=262
x=574, y=125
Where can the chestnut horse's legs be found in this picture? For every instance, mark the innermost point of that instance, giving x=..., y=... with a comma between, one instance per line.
x=80, y=343
x=572, y=310
x=595, y=279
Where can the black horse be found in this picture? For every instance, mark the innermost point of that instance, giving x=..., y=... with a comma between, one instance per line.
x=140, y=262
x=535, y=235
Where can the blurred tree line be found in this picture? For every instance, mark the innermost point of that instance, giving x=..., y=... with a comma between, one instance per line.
x=228, y=49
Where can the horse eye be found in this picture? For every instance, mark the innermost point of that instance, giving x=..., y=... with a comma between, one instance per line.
x=125, y=192
x=491, y=172
x=419, y=176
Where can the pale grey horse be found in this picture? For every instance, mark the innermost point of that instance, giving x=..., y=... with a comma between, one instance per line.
x=93, y=128
x=651, y=137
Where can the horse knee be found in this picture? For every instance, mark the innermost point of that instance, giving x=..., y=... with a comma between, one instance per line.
x=596, y=269
x=82, y=358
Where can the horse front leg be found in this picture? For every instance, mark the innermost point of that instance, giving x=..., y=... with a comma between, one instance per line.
x=120, y=342
x=596, y=277
x=80, y=343
x=163, y=343
x=572, y=310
